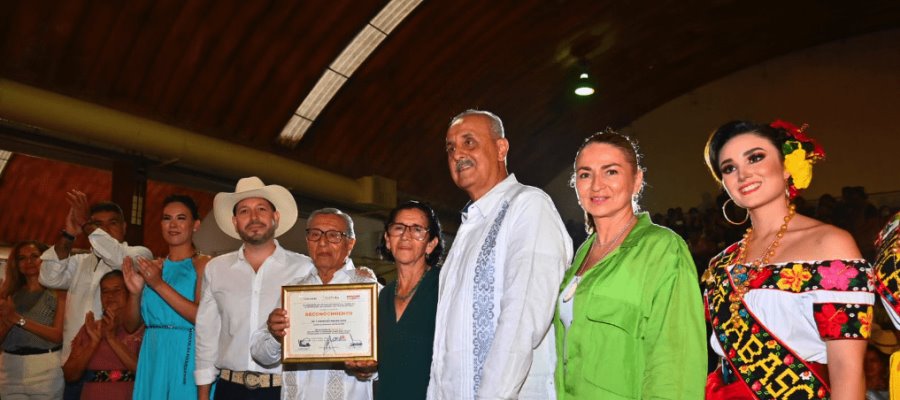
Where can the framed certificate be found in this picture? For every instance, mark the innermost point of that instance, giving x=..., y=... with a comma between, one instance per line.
x=331, y=323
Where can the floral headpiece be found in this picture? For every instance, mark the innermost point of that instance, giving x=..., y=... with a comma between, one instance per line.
x=800, y=153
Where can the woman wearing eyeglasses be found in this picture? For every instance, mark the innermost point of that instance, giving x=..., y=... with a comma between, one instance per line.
x=406, y=307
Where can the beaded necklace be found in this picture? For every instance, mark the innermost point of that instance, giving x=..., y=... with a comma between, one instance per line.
x=411, y=292
x=743, y=275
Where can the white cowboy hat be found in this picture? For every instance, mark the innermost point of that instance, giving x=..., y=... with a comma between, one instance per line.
x=223, y=204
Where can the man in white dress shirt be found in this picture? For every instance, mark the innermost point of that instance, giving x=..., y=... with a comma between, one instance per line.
x=80, y=274
x=499, y=283
x=240, y=288
x=330, y=237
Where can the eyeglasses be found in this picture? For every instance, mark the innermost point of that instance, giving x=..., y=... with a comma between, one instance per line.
x=313, y=235
x=417, y=232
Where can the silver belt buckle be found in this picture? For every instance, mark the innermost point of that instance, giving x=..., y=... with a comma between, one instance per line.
x=252, y=380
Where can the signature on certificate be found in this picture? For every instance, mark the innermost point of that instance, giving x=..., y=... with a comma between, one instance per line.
x=329, y=343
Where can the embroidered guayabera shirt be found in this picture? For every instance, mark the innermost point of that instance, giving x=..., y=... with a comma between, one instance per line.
x=326, y=381
x=497, y=293
x=80, y=274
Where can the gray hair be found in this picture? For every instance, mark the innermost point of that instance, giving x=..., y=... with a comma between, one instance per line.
x=496, y=124
x=334, y=211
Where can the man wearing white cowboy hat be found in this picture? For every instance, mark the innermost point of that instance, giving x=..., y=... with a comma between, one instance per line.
x=240, y=288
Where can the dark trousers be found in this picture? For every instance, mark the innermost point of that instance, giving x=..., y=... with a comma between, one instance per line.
x=232, y=391
x=72, y=390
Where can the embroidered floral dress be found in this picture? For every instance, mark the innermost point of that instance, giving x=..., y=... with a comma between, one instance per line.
x=887, y=273
x=784, y=320
x=106, y=377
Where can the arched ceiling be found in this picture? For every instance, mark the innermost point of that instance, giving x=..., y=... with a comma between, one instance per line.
x=236, y=70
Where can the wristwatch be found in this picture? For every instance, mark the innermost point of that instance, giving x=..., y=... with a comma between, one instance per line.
x=21, y=322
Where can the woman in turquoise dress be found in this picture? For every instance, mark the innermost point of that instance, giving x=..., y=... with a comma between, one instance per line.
x=169, y=308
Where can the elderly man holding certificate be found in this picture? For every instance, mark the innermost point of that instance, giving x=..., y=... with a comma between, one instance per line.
x=330, y=238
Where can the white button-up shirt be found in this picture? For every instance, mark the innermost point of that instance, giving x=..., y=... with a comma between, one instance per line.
x=235, y=302
x=80, y=274
x=314, y=381
x=497, y=293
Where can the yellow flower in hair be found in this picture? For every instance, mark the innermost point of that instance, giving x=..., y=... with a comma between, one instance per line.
x=799, y=167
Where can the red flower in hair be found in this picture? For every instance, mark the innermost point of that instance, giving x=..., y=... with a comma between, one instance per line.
x=791, y=129
x=800, y=152
x=818, y=152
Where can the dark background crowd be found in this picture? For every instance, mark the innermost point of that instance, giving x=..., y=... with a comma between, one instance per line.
x=707, y=232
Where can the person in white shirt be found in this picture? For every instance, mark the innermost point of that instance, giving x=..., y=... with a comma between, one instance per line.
x=330, y=237
x=80, y=274
x=499, y=282
x=241, y=287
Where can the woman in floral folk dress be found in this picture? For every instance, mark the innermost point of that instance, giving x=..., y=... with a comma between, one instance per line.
x=791, y=303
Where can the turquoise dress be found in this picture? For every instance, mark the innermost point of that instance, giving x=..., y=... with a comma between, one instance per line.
x=166, y=363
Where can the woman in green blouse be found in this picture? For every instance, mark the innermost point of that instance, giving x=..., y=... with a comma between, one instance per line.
x=629, y=319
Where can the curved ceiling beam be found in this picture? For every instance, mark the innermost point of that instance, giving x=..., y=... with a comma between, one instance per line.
x=88, y=121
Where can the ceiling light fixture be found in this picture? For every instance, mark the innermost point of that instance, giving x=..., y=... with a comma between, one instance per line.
x=584, y=87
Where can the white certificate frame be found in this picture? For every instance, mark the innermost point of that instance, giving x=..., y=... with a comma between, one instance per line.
x=331, y=323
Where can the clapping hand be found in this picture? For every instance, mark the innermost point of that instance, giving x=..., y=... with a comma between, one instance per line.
x=108, y=326
x=93, y=328
x=78, y=212
x=151, y=271
x=133, y=279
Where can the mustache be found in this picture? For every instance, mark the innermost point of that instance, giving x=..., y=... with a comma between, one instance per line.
x=255, y=224
x=464, y=163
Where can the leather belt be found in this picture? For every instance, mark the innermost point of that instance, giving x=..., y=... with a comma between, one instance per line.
x=251, y=379
x=30, y=351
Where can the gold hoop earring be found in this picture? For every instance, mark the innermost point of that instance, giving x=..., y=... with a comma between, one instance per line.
x=725, y=214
